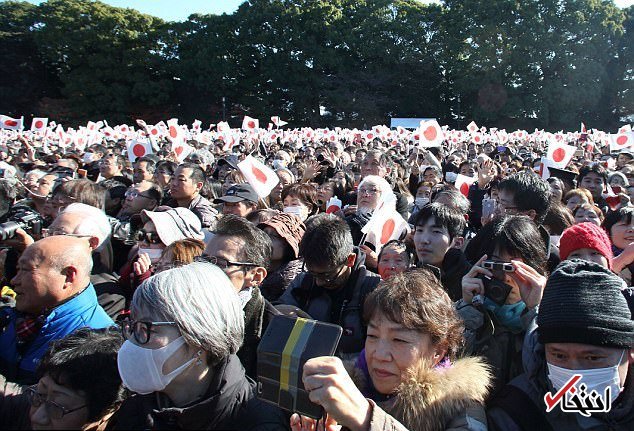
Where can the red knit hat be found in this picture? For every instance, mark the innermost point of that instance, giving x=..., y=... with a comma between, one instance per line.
x=585, y=235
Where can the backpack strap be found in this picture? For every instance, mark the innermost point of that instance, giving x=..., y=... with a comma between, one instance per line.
x=521, y=408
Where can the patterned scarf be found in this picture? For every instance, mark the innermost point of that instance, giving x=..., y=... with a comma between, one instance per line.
x=28, y=326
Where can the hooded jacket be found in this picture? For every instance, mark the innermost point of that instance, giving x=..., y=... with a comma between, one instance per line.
x=19, y=364
x=534, y=384
x=229, y=404
x=498, y=344
x=433, y=399
x=343, y=307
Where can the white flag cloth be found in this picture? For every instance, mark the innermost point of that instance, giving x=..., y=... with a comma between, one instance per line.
x=138, y=148
x=560, y=154
x=621, y=141
x=430, y=134
x=385, y=225
x=182, y=150
x=39, y=124
x=11, y=123
x=249, y=123
x=472, y=127
x=463, y=183
x=175, y=133
x=278, y=122
x=262, y=178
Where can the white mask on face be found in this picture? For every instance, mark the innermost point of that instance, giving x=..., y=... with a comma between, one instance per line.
x=451, y=177
x=89, y=157
x=141, y=369
x=596, y=379
x=153, y=253
x=279, y=163
x=421, y=202
x=299, y=210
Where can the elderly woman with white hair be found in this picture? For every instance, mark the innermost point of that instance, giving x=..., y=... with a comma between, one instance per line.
x=184, y=329
x=373, y=191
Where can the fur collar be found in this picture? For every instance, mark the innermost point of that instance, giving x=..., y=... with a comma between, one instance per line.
x=429, y=398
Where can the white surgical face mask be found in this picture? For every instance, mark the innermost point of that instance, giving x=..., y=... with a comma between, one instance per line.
x=421, y=202
x=596, y=379
x=141, y=369
x=299, y=210
x=153, y=253
x=89, y=157
x=279, y=163
x=451, y=177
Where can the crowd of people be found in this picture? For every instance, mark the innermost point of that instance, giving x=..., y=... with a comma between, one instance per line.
x=136, y=288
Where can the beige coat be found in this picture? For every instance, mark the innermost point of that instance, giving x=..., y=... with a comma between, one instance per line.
x=434, y=399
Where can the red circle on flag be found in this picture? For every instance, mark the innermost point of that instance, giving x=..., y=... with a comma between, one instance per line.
x=179, y=150
x=10, y=123
x=621, y=140
x=39, y=124
x=430, y=133
x=559, y=154
x=138, y=150
x=251, y=124
x=259, y=175
x=332, y=209
x=173, y=132
x=154, y=131
x=387, y=230
x=477, y=139
x=464, y=189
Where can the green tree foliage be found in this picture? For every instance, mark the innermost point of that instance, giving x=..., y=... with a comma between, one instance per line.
x=353, y=63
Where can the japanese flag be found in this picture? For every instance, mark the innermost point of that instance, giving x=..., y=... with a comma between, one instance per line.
x=625, y=129
x=463, y=183
x=175, y=132
x=9, y=123
x=333, y=205
x=560, y=154
x=223, y=126
x=249, y=123
x=262, y=178
x=196, y=125
x=472, y=127
x=385, y=225
x=621, y=141
x=278, y=122
x=138, y=148
x=39, y=124
x=430, y=134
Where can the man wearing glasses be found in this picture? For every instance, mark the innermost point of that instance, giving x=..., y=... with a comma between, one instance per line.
x=525, y=193
x=335, y=282
x=54, y=298
x=243, y=252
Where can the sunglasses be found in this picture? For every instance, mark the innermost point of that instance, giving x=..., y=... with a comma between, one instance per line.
x=149, y=237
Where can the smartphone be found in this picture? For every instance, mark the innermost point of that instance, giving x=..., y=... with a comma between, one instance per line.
x=498, y=266
x=496, y=290
x=488, y=207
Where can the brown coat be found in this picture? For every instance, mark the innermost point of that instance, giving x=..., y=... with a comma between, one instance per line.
x=435, y=399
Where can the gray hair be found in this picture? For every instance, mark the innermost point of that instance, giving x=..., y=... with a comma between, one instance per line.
x=94, y=222
x=202, y=301
x=387, y=194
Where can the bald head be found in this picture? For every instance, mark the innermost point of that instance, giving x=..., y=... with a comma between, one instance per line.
x=50, y=271
x=82, y=219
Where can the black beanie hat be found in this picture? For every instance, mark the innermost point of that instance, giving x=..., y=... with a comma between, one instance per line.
x=583, y=303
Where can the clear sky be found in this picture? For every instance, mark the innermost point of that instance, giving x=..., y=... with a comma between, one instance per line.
x=179, y=10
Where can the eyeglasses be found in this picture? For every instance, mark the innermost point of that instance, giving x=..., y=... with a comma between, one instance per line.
x=149, y=237
x=328, y=277
x=53, y=410
x=133, y=194
x=139, y=330
x=368, y=192
x=57, y=231
x=221, y=262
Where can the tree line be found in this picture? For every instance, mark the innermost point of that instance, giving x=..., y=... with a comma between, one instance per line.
x=324, y=63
